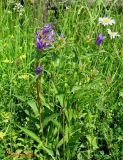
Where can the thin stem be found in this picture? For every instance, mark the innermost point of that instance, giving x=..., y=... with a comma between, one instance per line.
x=63, y=134
x=39, y=101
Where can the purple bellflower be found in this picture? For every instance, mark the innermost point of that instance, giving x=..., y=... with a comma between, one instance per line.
x=38, y=70
x=47, y=28
x=44, y=37
x=100, y=39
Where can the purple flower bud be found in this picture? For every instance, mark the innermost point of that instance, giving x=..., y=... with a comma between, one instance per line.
x=47, y=28
x=39, y=43
x=38, y=70
x=100, y=39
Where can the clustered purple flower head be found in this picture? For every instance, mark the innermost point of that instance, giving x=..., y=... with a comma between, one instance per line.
x=100, y=39
x=44, y=37
x=38, y=70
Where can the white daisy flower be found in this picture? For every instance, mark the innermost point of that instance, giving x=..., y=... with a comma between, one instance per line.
x=106, y=21
x=112, y=34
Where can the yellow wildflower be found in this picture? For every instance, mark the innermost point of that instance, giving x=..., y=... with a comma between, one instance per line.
x=24, y=76
x=88, y=38
x=23, y=56
x=5, y=117
x=2, y=135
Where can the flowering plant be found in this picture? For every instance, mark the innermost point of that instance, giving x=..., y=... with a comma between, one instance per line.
x=105, y=21
x=44, y=40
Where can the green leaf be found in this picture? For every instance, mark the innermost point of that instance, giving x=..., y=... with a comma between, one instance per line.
x=30, y=134
x=37, y=139
x=65, y=136
x=49, y=151
x=121, y=93
x=21, y=98
x=54, y=88
x=43, y=102
x=32, y=104
x=75, y=88
x=49, y=118
x=92, y=141
x=58, y=125
x=60, y=98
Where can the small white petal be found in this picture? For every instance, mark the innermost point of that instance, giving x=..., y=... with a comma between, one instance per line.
x=112, y=34
x=113, y=21
x=100, y=20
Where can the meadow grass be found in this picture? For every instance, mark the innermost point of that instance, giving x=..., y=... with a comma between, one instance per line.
x=81, y=85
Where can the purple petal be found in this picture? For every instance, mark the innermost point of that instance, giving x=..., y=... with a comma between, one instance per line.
x=38, y=70
x=52, y=33
x=100, y=39
x=49, y=38
x=98, y=42
x=38, y=36
x=37, y=32
x=39, y=44
x=46, y=45
x=47, y=28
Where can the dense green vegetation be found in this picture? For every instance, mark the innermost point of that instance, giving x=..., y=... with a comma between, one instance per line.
x=81, y=86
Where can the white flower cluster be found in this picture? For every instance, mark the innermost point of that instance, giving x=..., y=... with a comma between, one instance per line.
x=105, y=21
x=19, y=8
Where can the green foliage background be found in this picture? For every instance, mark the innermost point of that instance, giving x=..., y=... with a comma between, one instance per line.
x=81, y=85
